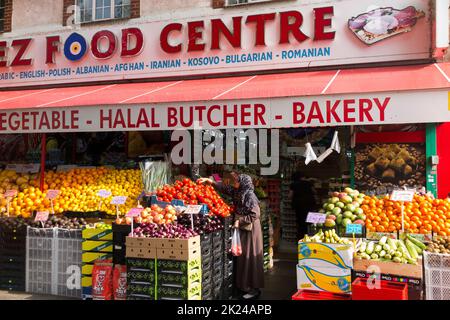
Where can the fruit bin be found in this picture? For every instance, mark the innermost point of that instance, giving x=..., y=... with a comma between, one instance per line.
x=437, y=276
x=319, y=295
x=387, y=290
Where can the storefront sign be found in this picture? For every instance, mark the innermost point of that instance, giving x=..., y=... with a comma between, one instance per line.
x=295, y=35
x=343, y=110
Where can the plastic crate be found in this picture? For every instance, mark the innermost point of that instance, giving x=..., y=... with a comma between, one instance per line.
x=437, y=276
x=207, y=263
x=387, y=290
x=40, y=256
x=320, y=295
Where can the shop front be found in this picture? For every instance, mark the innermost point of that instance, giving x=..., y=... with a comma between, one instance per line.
x=351, y=88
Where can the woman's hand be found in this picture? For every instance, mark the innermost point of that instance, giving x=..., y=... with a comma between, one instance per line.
x=205, y=180
x=236, y=224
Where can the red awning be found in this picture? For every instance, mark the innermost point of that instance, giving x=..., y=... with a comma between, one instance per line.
x=405, y=78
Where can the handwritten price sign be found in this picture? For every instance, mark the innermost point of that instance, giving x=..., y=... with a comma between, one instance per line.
x=118, y=200
x=193, y=209
x=41, y=216
x=403, y=195
x=52, y=194
x=10, y=193
x=316, y=218
x=104, y=193
x=134, y=212
x=353, y=228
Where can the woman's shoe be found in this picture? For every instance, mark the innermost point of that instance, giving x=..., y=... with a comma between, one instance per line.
x=252, y=295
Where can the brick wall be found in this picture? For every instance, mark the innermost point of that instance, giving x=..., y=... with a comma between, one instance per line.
x=8, y=16
x=135, y=9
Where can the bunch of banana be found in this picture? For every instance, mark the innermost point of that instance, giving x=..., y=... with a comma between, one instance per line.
x=329, y=236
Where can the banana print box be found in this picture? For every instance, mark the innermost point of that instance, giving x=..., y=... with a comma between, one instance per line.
x=335, y=280
x=323, y=254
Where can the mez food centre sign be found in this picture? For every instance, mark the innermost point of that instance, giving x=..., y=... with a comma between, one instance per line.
x=295, y=36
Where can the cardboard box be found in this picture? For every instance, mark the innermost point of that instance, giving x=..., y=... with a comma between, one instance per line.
x=97, y=234
x=86, y=281
x=179, y=244
x=90, y=257
x=177, y=254
x=325, y=254
x=332, y=279
x=415, y=286
x=140, y=252
x=97, y=246
x=86, y=269
x=142, y=242
x=186, y=280
x=179, y=267
x=171, y=293
x=390, y=268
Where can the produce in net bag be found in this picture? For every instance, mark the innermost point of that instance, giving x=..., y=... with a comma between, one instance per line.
x=236, y=247
x=102, y=276
x=120, y=282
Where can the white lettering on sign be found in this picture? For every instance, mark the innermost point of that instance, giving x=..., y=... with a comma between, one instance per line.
x=348, y=109
x=52, y=194
x=296, y=36
x=403, y=195
x=118, y=200
x=316, y=218
x=41, y=216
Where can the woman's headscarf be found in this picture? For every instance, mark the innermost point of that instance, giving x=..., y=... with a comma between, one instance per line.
x=245, y=199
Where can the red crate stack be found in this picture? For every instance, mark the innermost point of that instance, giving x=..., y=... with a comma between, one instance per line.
x=320, y=295
x=383, y=290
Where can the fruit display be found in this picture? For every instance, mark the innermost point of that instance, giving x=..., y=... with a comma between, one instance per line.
x=390, y=165
x=328, y=236
x=153, y=214
x=423, y=215
x=10, y=180
x=167, y=231
x=344, y=208
x=194, y=193
x=8, y=224
x=407, y=250
x=55, y=221
x=78, y=191
x=203, y=224
x=440, y=245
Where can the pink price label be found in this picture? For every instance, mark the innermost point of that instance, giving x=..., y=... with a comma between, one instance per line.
x=52, y=194
x=134, y=212
x=41, y=216
x=104, y=193
x=118, y=200
x=10, y=193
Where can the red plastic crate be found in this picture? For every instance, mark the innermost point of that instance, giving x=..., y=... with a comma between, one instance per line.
x=320, y=295
x=388, y=290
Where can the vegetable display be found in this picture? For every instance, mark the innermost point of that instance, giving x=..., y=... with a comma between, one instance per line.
x=202, y=223
x=329, y=236
x=422, y=215
x=194, y=193
x=153, y=214
x=344, y=208
x=405, y=250
x=440, y=245
x=168, y=231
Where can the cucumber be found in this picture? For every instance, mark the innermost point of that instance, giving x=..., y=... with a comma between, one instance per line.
x=412, y=250
x=374, y=256
x=387, y=247
x=363, y=247
x=397, y=259
x=383, y=240
x=392, y=244
x=378, y=248
x=388, y=257
x=382, y=253
x=370, y=248
x=416, y=242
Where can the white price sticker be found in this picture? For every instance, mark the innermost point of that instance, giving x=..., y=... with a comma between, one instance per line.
x=193, y=209
x=403, y=195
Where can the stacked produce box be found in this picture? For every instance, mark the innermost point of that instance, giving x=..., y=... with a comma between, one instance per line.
x=437, y=269
x=12, y=254
x=325, y=263
x=97, y=245
x=228, y=263
x=265, y=226
x=217, y=263
x=141, y=279
x=288, y=218
x=207, y=265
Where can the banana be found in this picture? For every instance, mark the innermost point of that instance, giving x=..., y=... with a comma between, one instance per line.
x=320, y=252
x=327, y=283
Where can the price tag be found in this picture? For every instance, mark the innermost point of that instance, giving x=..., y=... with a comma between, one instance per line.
x=12, y=167
x=118, y=200
x=65, y=167
x=30, y=168
x=316, y=218
x=104, y=193
x=134, y=212
x=52, y=194
x=41, y=216
x=353, y=229
x=10, y=193
x=193, y=209
x=403, y=195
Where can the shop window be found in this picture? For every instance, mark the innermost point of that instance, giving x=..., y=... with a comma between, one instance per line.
x=98, y=10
